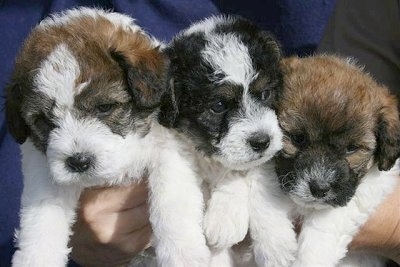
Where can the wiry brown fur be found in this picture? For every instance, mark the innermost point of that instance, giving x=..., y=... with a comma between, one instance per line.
x=329, y=94
x=334, y=116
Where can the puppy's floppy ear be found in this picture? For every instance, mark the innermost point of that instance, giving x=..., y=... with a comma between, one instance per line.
x=270, y=46
x=169, y=109
x=15, y=123
x=144, y=74
x=388, y=134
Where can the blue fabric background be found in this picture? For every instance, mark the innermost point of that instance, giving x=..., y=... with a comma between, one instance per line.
x=297, y=24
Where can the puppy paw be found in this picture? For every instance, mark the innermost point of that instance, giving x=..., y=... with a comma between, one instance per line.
x=299, y=263
x=221, y=258
x=280, y=252
x=224, y=224
x=32, y=259
x=183, y=257
x=282, y=259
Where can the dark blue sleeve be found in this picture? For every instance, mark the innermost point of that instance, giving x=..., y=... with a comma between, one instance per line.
x=297, y=25
x=16, y=20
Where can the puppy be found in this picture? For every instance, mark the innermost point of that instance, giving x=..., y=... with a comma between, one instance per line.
x=83, y=103
x=341, y=139
x=223, y=82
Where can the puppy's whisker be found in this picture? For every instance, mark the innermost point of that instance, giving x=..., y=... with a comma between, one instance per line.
x=285, y=181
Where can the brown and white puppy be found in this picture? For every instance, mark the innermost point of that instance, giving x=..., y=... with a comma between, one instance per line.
x=83, y=103
x=341, y=138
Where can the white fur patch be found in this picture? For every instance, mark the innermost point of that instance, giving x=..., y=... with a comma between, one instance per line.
x=228, y=56
x=207, y=25
x=274, y=240
x=63, y=18
x=57, y=75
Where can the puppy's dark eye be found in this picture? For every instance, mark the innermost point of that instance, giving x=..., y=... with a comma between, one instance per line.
x=105, y=108
x=299, y=139
x=350, y=149
x=43, y=123
x=219, y=107
x=265, y=95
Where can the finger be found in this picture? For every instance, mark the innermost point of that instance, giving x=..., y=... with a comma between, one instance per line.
x=113, y=198
x=110, y=228
x=141, y=184
x=137, y=241
x=129, y=221
x=118, y=254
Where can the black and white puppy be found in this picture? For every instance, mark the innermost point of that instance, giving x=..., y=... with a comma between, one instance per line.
x=223, y=83
x=341, y=139
x=83, y=103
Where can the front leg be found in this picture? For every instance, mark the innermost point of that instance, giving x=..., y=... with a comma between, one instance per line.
x=274, y=239
x=226, y=221
x=324, y=237
x=326, y=234
x=47, y=213
x=44, y=233
x=176, y=213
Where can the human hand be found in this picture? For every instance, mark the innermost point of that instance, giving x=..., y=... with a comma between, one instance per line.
x=112, y=225
x=381, y=233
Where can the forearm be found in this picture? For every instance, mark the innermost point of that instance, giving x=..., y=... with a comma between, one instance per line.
x=381, y=233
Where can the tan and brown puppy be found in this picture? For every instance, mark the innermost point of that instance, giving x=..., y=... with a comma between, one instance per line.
x=341, y=135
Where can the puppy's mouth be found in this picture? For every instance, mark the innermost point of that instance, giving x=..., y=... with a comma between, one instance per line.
x=309, y=202
x=304, y=197
x=257, y=160
x=303, y=194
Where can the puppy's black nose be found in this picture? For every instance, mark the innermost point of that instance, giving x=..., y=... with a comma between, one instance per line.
x=259, y=142
x=319, y=190
x=78, y=162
